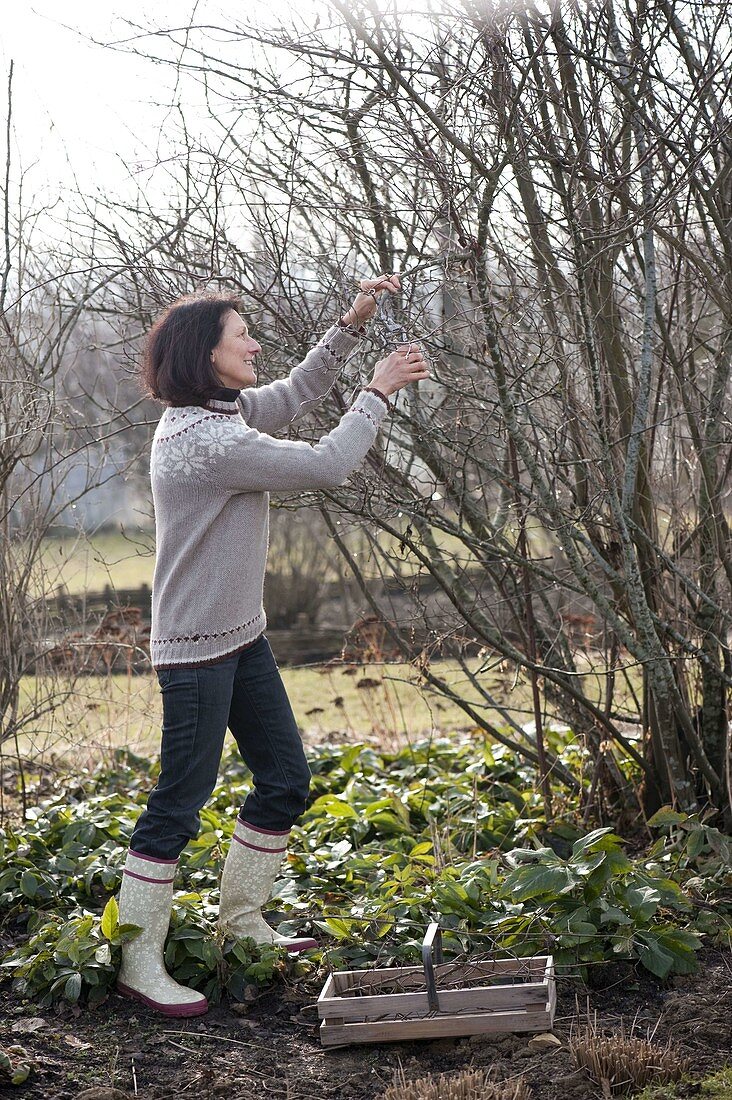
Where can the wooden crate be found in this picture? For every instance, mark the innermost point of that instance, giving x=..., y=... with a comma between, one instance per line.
x=437, y=1000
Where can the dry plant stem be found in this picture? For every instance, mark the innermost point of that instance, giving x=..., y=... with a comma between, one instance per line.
x=469, y=1084
x=439, y=568
x=622, y=1064
x=438, y=682
x=531, y=632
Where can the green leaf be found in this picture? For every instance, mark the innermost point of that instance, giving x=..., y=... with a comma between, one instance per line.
x=612, y=913
x=695, y=843
x=20, y=1074
x=652, y=954
x=240, y=952
x=589, y=864
x=103, y=954
x=29, y=884
x=110, y=918
x=422, y=848
x=125, y=933
x=598, y=840
x=195, y=948
x=350, y=756
x=334, y=807
x=388, y=822
x=341, y=929
x=211, y=954
x=666, y=816
x=671, y=893
x=665, y=950
x=577, y=925
x=533, y=855
x=72, y=989
x=642, y=901
x=537, y=881
x=681, y=945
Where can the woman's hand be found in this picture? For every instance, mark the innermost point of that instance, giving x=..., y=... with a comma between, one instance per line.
x=365, y=302
x=400, y=367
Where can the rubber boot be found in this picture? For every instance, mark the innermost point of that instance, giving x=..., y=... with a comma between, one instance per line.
x=250, y=868
x=145, y=899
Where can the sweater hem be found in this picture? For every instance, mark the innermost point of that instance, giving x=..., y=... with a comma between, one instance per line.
x=163, y=655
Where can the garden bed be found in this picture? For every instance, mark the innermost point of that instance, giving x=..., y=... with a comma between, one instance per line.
x=269, y=1046
x=366, y=869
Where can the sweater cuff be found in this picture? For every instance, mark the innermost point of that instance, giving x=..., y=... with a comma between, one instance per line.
x=372, y=389
x=370, y=406
x=340, y=342
x=355, y=330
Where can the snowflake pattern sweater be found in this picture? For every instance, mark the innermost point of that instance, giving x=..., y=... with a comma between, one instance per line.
x=212, y=467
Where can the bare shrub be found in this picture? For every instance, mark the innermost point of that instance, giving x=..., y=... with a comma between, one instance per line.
x=298, y=567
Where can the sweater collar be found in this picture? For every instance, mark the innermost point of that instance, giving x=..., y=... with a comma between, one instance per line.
x=223, y=399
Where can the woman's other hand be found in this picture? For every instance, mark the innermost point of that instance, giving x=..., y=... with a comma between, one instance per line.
x=405, y=364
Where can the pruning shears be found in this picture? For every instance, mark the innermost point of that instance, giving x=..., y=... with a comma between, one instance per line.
x=388, y=329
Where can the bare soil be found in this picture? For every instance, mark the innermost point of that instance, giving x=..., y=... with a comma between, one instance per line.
x=270, y=1047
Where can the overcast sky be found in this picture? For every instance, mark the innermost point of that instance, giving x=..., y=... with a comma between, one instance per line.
x=79, y=107
x=72, y=100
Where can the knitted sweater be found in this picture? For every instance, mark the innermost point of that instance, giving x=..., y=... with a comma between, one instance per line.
x=211, y=469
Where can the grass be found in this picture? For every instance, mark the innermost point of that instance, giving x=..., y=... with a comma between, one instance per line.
x=92, y=716
x=126, y=559
x=86, y=563
x=97, y=714
x=384, y=703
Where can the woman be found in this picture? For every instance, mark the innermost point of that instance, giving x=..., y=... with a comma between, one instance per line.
x=212, y=464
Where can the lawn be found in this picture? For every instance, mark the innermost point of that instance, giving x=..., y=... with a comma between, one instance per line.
x=87, y=563
x=384, y=704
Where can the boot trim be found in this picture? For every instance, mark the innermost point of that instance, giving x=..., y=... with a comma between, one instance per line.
x=146, y=878
x=257, y=847
x=259, y=829
x=150, y=859
x=189, y=1008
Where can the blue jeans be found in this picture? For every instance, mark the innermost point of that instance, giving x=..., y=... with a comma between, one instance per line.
x=244, y=692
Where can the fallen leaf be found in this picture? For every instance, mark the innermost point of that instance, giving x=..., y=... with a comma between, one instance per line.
x=545, y=1041
x=76, y=1043
x=35, y=1023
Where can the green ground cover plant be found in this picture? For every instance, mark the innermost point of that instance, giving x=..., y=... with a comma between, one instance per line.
x=716, y=1087
x=442, y=829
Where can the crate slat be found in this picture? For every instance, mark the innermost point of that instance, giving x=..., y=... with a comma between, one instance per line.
x=438, y=1026
x=478, y=999
x=533, y=968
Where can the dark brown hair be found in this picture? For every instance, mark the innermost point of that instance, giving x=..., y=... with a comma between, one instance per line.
x=176, y=365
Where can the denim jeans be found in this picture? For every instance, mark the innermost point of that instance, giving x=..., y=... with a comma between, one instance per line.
x=244, y=693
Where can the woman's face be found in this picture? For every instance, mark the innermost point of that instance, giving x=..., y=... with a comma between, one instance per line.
x=233, y=356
